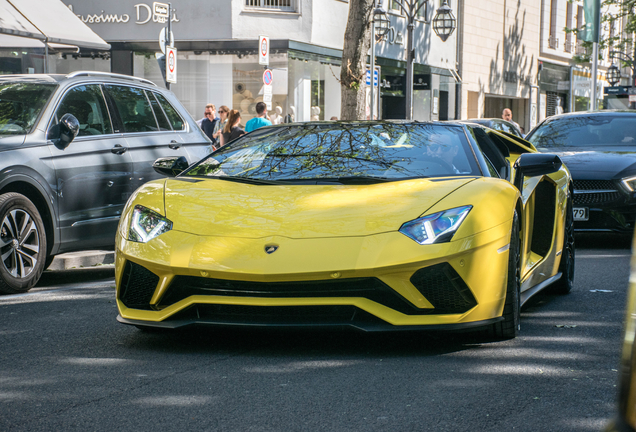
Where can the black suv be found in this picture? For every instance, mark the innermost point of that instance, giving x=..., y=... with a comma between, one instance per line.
x=73, y=149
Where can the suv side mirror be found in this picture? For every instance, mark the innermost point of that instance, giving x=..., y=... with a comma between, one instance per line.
x=535, y=164
x=68, y=130
x=170, y=166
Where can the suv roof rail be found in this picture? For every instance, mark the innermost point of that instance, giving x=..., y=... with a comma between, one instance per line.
x=113, y=75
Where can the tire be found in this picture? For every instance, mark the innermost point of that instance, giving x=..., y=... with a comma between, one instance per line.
x=511, y=324
x=48, y=261
x=22, y=244
x=566, y=266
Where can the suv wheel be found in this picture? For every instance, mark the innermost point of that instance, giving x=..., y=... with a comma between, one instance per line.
x=22, y=244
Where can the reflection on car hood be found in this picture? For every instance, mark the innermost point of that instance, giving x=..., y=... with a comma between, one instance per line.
x=592, y=165
x=220, y=208
x=8, y=142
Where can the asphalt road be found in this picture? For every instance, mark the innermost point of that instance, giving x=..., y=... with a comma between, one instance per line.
x=67, y=365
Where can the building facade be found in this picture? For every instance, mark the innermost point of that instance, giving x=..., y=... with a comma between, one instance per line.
x=499, y=50
x=217, y=55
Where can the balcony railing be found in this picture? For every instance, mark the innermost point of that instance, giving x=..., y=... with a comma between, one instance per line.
x=580, y=49
x=553, y=42
x=569, y=46
x=273, y=5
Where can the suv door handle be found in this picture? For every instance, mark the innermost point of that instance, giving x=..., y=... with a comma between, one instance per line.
x=174, y=145
x=119, y=149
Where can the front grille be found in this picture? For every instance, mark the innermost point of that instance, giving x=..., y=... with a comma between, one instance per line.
x=604, y=185
x=440, y=284
x=596, y=198
x=370, y=288
x=444, y=288
x=137, y=287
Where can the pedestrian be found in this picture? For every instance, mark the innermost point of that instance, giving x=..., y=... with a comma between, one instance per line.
x=507, y=116
x=211, y=123
x=223, y=112
x=231, y=131
x=260, y=120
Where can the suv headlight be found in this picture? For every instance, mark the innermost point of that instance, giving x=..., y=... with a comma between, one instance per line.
x=436, y=228
x=629, y=183
x=146, y=224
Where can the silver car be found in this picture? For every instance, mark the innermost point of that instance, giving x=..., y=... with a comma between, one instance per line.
x=73, y=149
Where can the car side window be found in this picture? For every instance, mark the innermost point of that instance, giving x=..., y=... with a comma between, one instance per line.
x=134, y=108
x=175, y=119
x=86, y=103
x=163, y=122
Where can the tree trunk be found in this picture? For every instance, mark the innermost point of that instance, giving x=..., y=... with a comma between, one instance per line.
x=357, y=42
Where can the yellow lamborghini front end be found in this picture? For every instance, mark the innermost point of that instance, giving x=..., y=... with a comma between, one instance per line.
x=373, y=253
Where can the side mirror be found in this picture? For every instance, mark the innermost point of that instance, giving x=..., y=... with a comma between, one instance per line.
x=170, y=166
x=69, y=128
x=535, y=164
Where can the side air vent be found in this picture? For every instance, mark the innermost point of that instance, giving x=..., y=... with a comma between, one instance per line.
x=444, y=288
x=138, y=286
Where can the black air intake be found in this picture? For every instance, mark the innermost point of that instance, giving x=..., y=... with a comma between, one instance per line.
x=137, y=287
x=441, y=285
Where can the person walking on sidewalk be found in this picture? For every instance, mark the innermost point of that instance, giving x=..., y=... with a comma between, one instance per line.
x=260, y=120
x=211, y=124
x=232, y=130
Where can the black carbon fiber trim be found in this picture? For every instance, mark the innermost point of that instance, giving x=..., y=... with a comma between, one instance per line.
x=137, y=287
x=444, y=288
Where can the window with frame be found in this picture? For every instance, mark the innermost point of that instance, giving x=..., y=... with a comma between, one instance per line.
x=274, y=5
x=87, y=104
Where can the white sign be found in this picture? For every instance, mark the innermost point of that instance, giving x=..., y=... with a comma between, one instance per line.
x=632, y=98
x=263, y=50
x=267, y=98
x=171, y=64
x=162, y=39
x=268, y=90
x=161, y=10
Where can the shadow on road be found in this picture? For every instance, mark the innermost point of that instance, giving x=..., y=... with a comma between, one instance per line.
x=71, y=276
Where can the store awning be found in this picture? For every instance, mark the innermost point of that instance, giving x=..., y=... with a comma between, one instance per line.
x=47, y=20
x=10, y=41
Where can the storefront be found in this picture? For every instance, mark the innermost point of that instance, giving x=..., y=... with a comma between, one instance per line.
x=554, y=87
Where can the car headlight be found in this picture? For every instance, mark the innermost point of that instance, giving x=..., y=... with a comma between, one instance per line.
x=436, y=228
x=629, y=183
x=146, y=224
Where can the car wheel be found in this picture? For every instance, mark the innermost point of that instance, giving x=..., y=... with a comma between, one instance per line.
x=566, y=266
x=509, y=327
x=22, y=244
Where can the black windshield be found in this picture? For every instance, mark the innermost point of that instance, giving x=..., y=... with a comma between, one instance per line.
x=21, y=104
x=368, y=151
x=586, y=131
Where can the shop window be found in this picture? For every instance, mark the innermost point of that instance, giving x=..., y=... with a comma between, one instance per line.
x=317, y=100
x=276, y=5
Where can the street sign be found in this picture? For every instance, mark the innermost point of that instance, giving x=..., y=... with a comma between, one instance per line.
x=376, y=75
x=162, y=39
x=268, y=77
x=171, y=64
x=161, y=11
x=263, y=50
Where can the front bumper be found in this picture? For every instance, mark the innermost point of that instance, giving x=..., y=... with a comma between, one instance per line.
x=611, y=209
x=384, y=281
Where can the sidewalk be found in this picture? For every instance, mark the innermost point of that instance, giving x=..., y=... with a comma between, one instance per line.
x=82, y=260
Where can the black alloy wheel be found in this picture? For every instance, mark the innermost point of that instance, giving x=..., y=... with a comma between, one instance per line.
x=566, y=266
x=509, y=327
x=22, y=244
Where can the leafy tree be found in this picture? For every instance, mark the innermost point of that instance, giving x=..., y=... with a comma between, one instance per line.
x=613, y=13
x=357, y=42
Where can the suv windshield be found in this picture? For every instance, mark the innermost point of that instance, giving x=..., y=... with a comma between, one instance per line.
x=344, y=152
x=586, y=131
x=21, y=104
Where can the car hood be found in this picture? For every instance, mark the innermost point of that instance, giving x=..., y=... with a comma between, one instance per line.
x=593, y=165
x=225, y=208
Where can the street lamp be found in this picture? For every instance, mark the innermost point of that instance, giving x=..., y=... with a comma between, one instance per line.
x=616, y=73
x=613, y=75
x=444, y=24
x=379, y=28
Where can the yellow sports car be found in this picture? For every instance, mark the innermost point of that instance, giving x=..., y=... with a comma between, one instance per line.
x=375, y=225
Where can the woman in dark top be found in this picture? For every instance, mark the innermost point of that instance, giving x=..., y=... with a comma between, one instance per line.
x=232, y=129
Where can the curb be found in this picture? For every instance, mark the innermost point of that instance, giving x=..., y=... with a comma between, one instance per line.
x=74, y=260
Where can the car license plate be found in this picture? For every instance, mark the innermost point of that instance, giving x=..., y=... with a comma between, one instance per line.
x=581, y=213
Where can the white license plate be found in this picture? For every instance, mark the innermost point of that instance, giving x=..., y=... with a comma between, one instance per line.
x=581, y=213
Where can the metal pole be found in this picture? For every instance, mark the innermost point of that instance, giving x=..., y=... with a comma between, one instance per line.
x=594, y=72
x=409, y=70
x=372, y=68
x=168, y=36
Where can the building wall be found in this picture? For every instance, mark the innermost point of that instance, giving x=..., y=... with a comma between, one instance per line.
x=500, y=51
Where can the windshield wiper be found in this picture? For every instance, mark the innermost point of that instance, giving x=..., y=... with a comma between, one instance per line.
x=246, y=180
x=352, y=180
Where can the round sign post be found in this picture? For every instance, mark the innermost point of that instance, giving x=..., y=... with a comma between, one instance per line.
x=268, y=77
x=263, y=50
